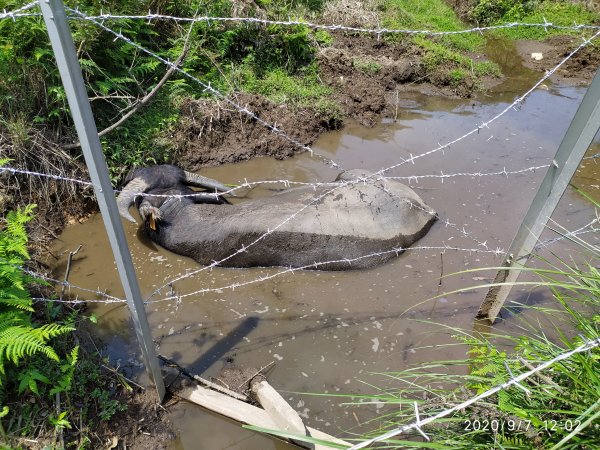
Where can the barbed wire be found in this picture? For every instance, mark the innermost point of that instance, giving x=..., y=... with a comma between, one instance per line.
x=14, y=170
x=290, y=270
x=397, y=250
x=15, y=14
x=294, y=23
x=514, y=105
x=442, y=176
x=570, y=234
x=244, y=248
x=109, y=298
x=316, y=26
x=208, y=88
x=412, y=158
x=513, y=381
x=288, y=183
x=316, y=265
x=37, y=275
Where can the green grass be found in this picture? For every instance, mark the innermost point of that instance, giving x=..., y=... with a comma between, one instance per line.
x=433, y=15
x=490, y=12
x=446, y=58
x=366, y=66
x=304, y=89
x=281, y=87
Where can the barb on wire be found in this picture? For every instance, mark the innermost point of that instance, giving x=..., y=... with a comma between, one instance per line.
x=208, y=88
x=17, y=12
x=513, y=381
x=334, y=27
x=587, y=228
x=486, y=124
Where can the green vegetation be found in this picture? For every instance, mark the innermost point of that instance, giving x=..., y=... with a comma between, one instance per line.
x=26, y=341
x=228, y=56
x=433, y=15
x=272, y=60
x=45, y=382
x=367, y=66
x=21, y=338
x=444, y=57
x=563, y=13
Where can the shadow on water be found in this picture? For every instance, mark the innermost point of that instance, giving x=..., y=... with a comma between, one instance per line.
x=223, y=346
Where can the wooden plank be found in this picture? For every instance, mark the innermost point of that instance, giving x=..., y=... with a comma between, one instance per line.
x=286, y=418
x=244, y=413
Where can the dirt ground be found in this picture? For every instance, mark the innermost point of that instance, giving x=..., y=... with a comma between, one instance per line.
x=212, y=133
x=578, y=70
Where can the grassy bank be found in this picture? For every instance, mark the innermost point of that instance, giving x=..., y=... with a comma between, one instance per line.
x=275, y=61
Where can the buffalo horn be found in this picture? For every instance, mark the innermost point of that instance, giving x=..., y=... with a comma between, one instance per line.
x=127, y=197
x=196, y=180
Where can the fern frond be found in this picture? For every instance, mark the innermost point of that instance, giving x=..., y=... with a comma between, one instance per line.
x=15, y=298
x=51, y=330
x=13, y=318
x=19, y=341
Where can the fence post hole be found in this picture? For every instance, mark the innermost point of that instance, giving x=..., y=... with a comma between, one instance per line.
x=70, y=72
x=575, y=143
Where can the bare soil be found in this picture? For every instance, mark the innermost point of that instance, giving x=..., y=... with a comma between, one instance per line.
x=578, y=70
x=367, y=76
x=211, y=133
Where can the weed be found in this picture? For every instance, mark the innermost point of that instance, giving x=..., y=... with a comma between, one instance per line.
x=368, y=67
x=457, y=76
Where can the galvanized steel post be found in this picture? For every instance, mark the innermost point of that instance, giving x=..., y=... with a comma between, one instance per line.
x=70, y=72
x=576, y=141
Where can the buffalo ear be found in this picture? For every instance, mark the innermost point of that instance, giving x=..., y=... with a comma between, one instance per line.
x=127, y=196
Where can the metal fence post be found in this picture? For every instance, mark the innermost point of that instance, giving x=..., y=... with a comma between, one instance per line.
x=577, y=139
x=70, y=72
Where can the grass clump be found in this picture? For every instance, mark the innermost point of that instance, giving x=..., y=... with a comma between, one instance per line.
x=366, y=66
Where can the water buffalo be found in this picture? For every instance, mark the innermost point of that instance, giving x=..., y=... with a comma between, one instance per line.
x=297, y=227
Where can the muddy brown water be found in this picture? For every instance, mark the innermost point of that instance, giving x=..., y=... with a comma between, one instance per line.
x=327, y=332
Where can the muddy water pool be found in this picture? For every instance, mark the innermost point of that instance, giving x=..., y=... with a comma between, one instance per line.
x=327, y=332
